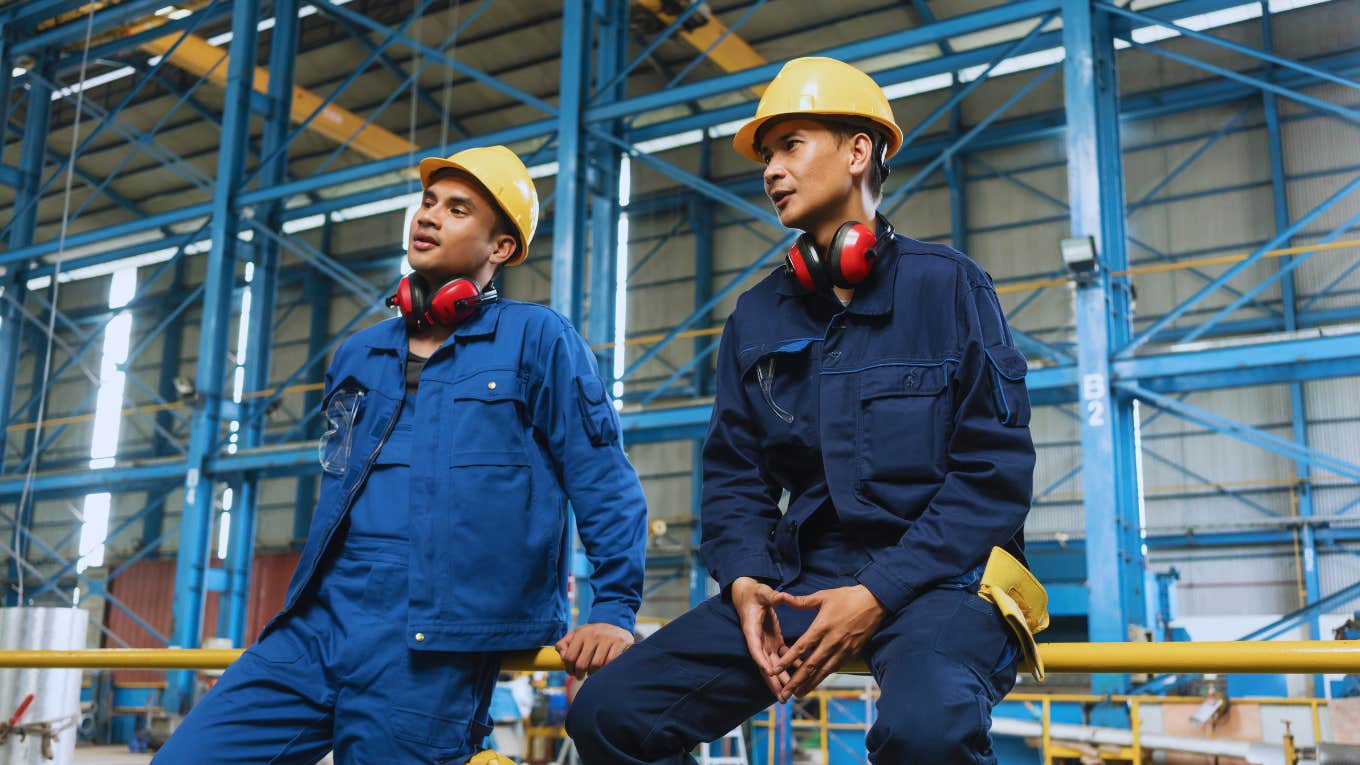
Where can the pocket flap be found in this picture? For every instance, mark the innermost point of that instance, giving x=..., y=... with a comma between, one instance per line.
x=488, y=457
x=426, y=729
x=902, y=380
x=1009, y=361
x=490, y=385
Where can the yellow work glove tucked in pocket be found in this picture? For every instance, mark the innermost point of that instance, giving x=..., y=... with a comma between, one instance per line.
x=1022, y=601
x=490, y=757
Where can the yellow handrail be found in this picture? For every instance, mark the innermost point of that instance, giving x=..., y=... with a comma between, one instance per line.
x=1294, y=657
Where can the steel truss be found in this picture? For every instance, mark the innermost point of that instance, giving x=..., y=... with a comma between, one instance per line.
x=1116, y=359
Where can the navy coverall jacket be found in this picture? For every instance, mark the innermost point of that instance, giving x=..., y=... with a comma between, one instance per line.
x=514, y=422
x=906, y=411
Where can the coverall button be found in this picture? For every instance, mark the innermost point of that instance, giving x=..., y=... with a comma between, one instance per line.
x=420, y=637
x=771, y=533
x=491, y=385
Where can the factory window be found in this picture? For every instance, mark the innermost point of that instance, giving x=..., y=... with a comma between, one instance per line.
x=94, y=527
x=621, y=281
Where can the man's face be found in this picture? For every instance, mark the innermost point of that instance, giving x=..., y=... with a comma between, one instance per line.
x=452, y=232
x=806, y=171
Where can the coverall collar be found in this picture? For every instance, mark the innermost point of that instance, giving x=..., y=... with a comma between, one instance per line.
x=393, y=338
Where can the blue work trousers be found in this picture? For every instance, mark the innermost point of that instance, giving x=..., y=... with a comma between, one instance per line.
x=941, y=663
x=336, y=675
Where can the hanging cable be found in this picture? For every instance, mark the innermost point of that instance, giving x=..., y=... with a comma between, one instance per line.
x=457, y=7
x=24, y=497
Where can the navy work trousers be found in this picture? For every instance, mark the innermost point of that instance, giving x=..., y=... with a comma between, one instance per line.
x=941, y=663
x=336, y=674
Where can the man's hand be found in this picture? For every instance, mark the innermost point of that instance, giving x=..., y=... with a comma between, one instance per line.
x=846, y=618
x=754, y=603
x=591, y=646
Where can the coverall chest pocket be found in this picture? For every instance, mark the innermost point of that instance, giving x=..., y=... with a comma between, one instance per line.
x=341, y=413
x=903, y=419
x=781, y=384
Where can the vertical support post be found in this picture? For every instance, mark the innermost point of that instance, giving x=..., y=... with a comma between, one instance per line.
x=1115, y=557
x=701, y=223
x=6, y=84
x=569, y=208
x=954, y=174
x=196, y=524
x=1288, y=305
x=569, y=216
x=172, y=349
x=31, y=159
x=231, y=619
x=604, y=202
x=698, y=574
x=318, y=291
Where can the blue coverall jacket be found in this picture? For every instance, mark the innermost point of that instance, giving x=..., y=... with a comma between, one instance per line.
x=514, y=422
x=906, y=410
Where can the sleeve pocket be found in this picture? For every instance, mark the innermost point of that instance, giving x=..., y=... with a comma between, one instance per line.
x=597, y=413
x=1009, y=391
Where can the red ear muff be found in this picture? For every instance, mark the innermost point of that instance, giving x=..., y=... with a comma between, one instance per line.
x=852, y=255
x=805, y=265
x=450, y=306
x=455, y=302
x=409, y=299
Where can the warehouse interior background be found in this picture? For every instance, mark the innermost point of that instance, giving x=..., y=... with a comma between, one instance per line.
x=182, y=251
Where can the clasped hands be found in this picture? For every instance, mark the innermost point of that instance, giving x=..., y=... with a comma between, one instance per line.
x=846, y=618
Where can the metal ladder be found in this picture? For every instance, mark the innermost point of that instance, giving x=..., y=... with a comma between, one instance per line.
x=707, y=758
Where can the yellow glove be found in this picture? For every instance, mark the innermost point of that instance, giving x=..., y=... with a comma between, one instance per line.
x=490, y=757
x=1022, y=601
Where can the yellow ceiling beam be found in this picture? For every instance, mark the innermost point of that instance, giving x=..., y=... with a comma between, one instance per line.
x=196, y=56
x=733, y=54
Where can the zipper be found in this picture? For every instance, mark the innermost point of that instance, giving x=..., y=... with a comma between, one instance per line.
x=349, y=498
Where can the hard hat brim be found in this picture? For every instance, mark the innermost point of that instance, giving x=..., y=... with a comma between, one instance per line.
x=431, y=165
x=745, y=139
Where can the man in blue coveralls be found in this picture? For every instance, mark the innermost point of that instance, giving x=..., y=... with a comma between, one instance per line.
x=456, y=436
x=874, y=380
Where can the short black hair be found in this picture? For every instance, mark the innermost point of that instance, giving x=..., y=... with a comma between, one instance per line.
x=845, y=130
x=503, y=225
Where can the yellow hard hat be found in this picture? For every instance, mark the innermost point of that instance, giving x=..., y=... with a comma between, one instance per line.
x=820, y=87
x=507, y=180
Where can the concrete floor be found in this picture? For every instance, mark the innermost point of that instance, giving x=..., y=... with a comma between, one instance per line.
x=109, y=755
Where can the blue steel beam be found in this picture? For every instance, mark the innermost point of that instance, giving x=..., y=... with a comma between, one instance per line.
x=1246, y=433
x=1298, y=406
x=74, y=32
x=568, y=238
x=196, y=522
x=232, y=610
x=172, y=342
x=1110, y=475
x=1138, y=106
x=439, y=56
x=22, y=227
x=890, y=43
x=318, y=294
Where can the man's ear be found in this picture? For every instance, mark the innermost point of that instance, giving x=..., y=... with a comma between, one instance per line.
x=861, y=153
x=505, y=247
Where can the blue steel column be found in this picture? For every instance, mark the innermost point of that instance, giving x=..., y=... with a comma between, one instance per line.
x=231, y=615
x=604, y=175
x=318, y=291
x=701, y=223
x=569, y=216
x=172, y=342
x=955, y=173
x=196, y=525
x=1288, y=305
x=31, y=158
x=568, y=208
x=1109, y=430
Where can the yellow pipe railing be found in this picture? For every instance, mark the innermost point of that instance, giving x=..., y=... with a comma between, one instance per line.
x=1292, y=657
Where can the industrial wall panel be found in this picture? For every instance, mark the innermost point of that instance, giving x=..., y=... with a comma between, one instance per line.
x=145, y=588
